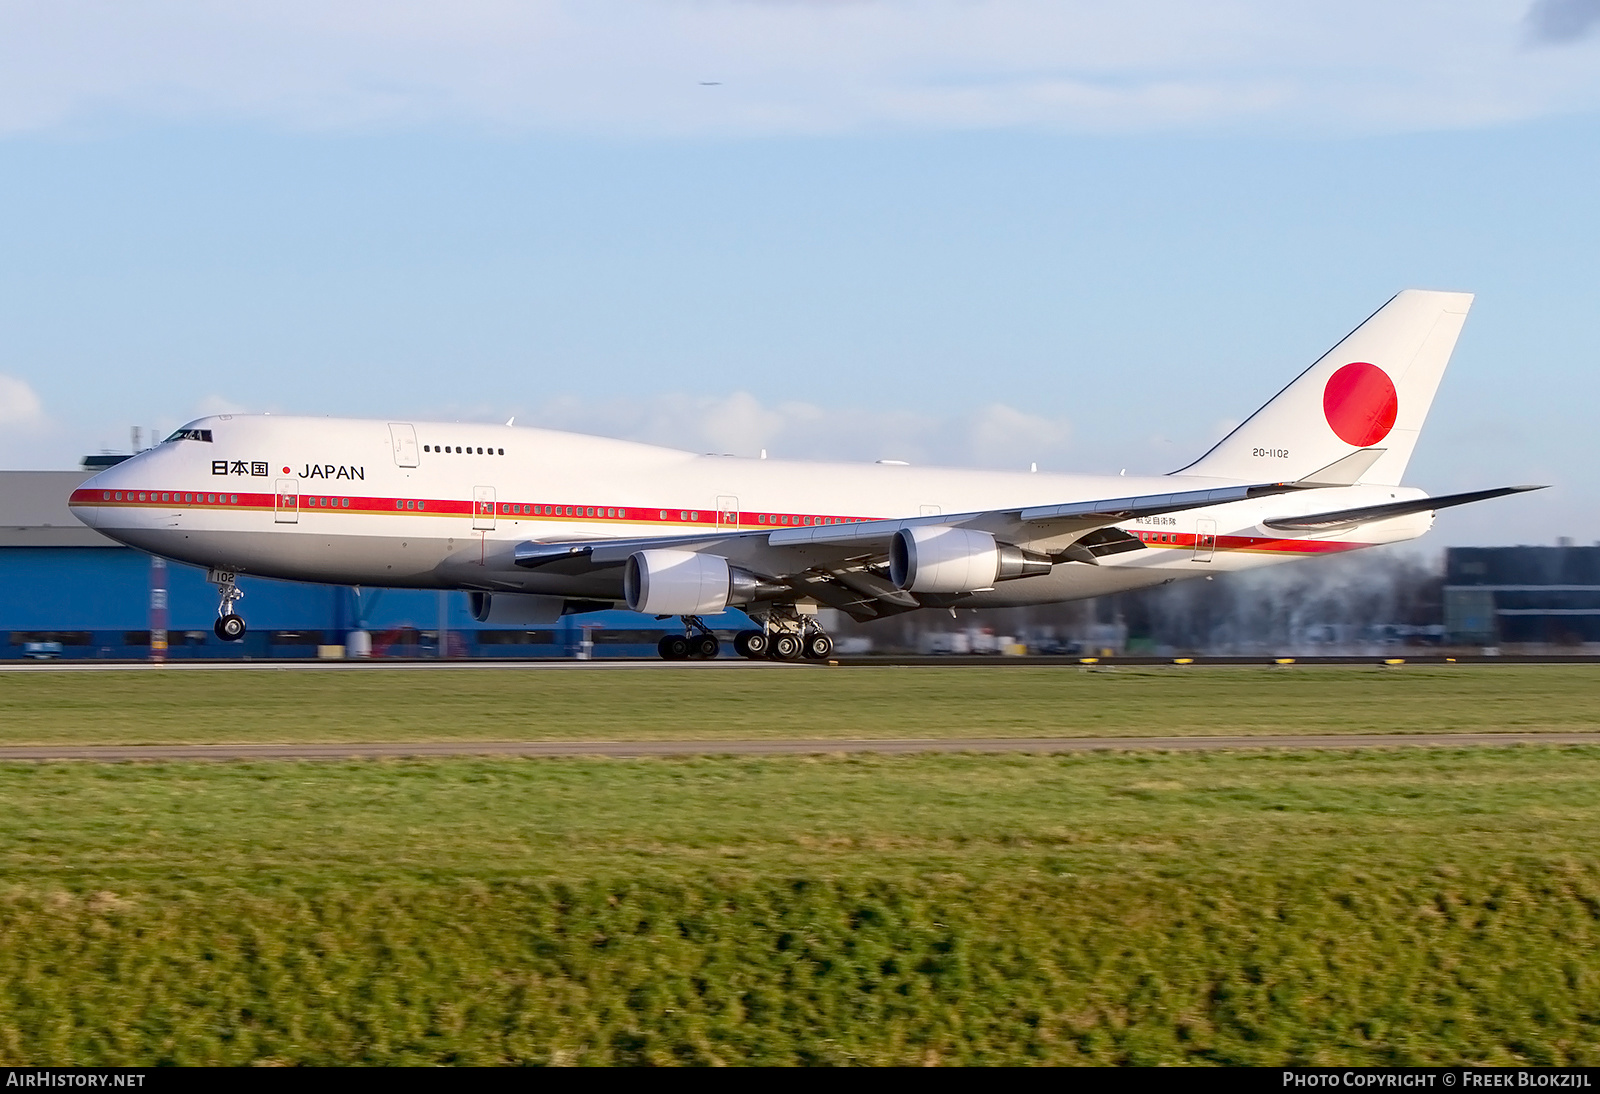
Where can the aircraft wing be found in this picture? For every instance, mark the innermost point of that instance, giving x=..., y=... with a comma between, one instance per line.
x=1033, y=524
x=842, y=565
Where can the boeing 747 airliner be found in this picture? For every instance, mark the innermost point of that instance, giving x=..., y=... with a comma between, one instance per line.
x=536, y=524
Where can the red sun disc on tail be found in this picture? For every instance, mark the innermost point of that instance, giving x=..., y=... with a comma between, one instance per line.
x=1360, y=404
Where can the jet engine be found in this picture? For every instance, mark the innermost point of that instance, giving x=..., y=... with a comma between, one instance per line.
x=512, y=609
x=667, y=582
x=937, y=558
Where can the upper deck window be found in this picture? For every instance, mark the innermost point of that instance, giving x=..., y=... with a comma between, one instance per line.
x=190, y=435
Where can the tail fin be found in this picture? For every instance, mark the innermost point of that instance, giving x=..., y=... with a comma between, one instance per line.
x=1369, y=393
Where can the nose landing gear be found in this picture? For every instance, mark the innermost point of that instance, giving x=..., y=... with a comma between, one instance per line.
x=229, y=627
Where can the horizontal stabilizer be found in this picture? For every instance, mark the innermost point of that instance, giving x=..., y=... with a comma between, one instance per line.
x=1349, y=518
x=1345, y=471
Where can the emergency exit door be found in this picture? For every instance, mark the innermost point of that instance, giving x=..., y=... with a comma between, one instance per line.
x=286, y=503
x=403, y=439
x=1205, y=539
x=727, y=512
x=483, y=508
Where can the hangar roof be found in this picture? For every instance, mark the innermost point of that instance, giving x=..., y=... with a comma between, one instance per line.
x=34, y=513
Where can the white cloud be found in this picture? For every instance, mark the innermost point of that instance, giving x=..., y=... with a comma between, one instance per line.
x=19, y=404
x=738, y=424
x=625, y=67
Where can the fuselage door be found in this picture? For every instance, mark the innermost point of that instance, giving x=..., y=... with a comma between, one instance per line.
x=1205, y=539
x=403, y=437
x=483, y=508
x=286, y=503
x=728, y=512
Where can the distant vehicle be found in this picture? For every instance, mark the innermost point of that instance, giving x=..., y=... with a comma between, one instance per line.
x=41, y=651
x=536, y=524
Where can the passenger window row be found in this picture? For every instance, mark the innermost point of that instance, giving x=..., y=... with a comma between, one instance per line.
x=179, y=499
x=691, y=516
x=509, y=509
x=776, y=518
x=563, y=511
x=468, y=450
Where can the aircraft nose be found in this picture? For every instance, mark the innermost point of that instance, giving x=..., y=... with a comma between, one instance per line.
x=91, y=495
x=110, y=479
x=82, y=502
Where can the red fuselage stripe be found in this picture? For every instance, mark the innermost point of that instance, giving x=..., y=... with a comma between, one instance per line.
x=550, y=511
x=307, y=502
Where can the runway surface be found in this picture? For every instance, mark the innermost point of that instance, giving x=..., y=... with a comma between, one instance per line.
x=637, y=749
x=733, y=664
x=310, y=665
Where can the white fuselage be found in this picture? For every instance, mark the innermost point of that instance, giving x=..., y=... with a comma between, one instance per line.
x=438, y=505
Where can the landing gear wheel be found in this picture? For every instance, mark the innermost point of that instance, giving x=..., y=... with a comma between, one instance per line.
x=785, y=647
x=818, y=646
x=704, y=647
x=674, y=647
x=229, y=627
x=751, y=644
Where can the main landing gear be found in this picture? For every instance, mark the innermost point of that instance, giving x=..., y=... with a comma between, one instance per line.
x=785, y=635
x=228, y=627
x=697, y=643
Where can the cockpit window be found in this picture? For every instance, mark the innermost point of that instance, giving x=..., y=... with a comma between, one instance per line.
x=190, y=435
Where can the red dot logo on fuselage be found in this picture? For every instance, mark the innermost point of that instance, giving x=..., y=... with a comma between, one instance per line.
x=1360, y=404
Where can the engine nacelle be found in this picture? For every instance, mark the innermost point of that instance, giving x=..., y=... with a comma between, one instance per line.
x=668, y=582
x=937, y=558
x=513, y=609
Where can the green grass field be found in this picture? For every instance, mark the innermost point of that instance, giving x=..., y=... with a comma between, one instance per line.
x=1388, y=906
x=473, y=704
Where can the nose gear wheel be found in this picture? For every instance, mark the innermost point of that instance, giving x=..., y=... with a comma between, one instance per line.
x=230, y=626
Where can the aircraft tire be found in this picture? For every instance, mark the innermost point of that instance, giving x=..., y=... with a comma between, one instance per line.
x=751, y=644
x=704, y=647
x=229, y=628
x=785, y=647
x=673, y=647
x=818, y=646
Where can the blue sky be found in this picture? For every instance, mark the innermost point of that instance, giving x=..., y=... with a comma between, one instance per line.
x=959, y=232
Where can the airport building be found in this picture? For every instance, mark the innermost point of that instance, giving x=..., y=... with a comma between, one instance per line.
x=1546, y=597
x=68, y=591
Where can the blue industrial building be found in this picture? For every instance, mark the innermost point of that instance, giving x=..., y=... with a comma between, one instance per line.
x=68, y=591
x=1523, y=596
